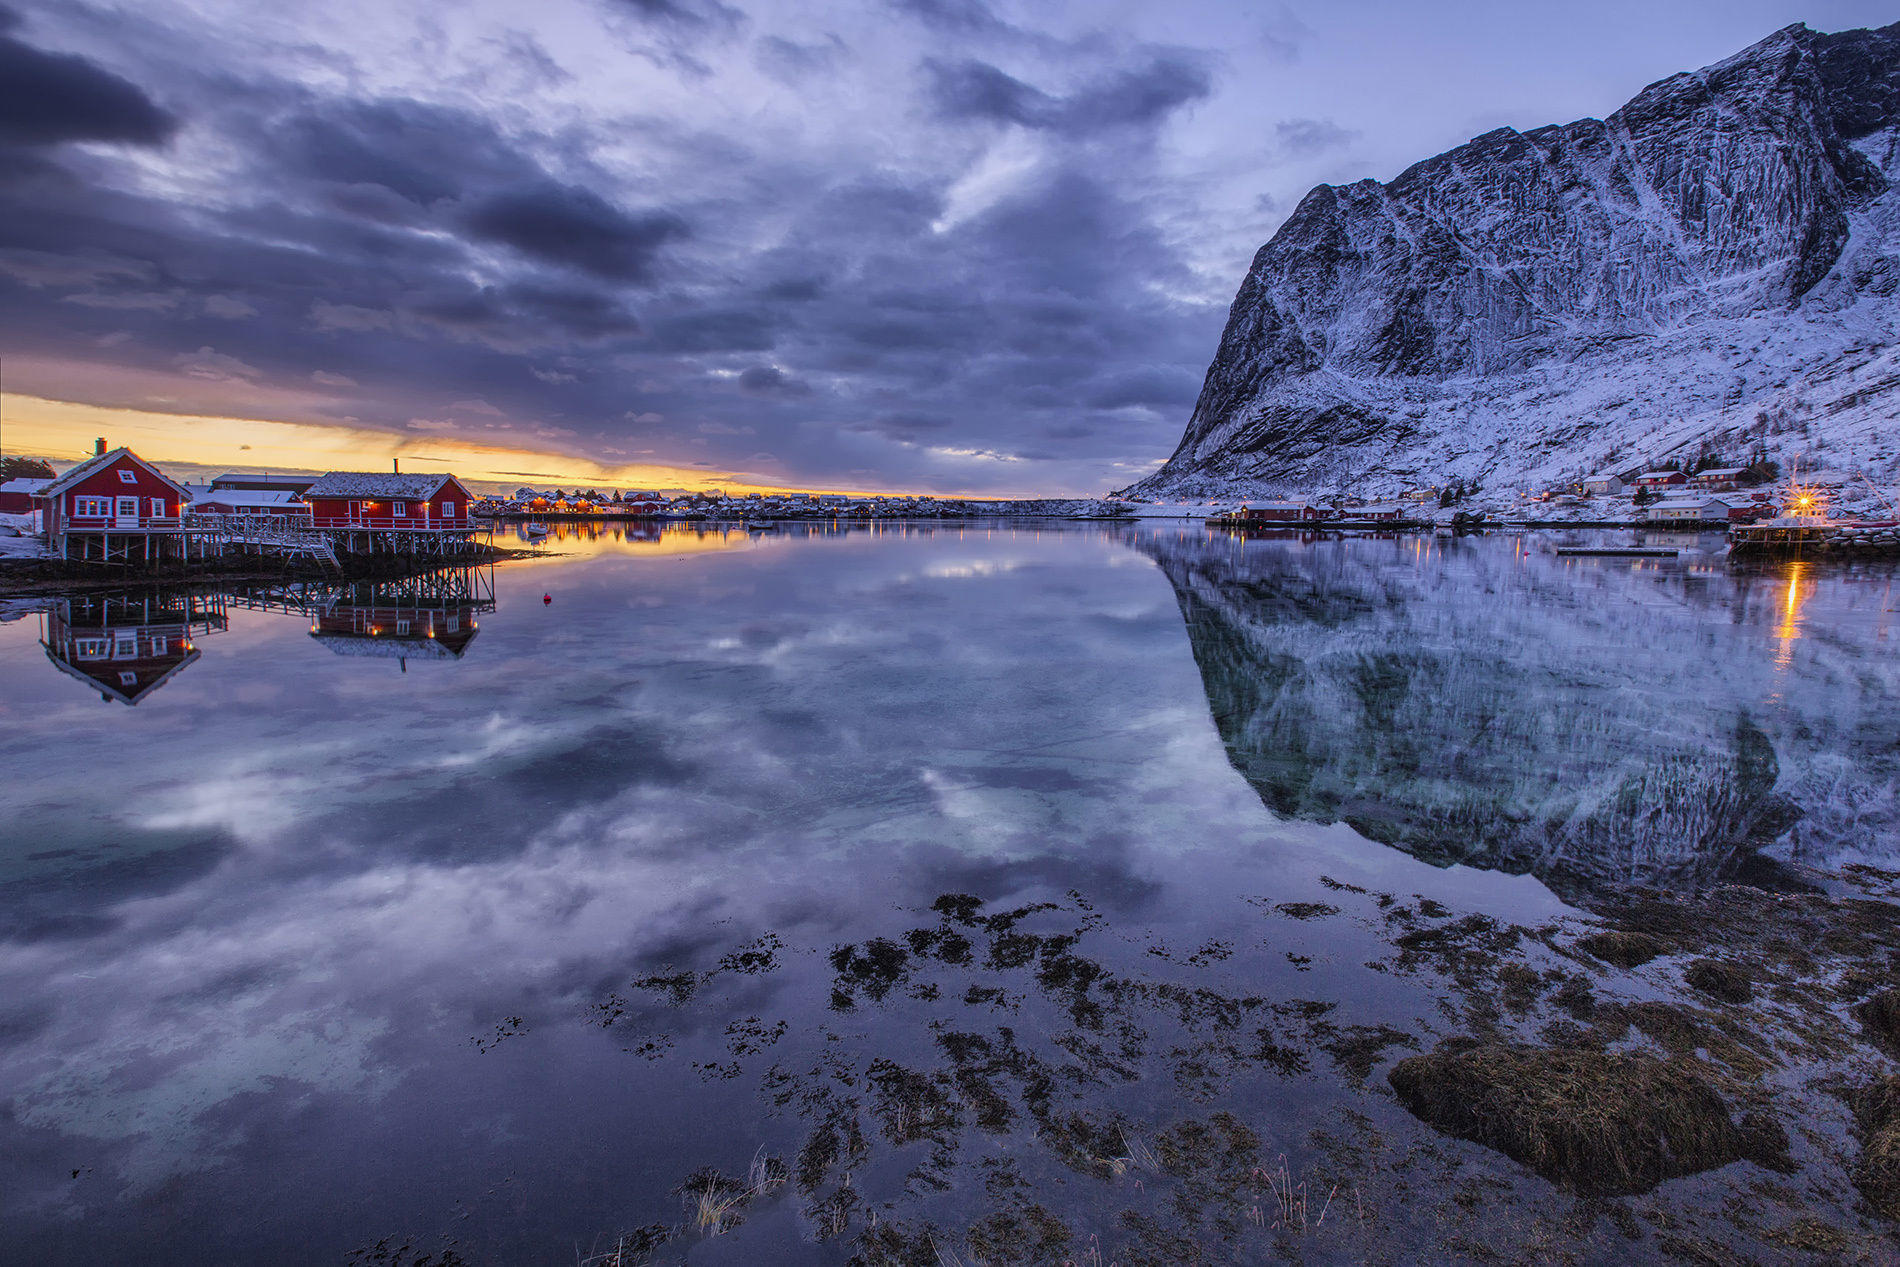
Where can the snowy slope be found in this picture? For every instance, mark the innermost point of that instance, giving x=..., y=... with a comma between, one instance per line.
x=1717, y=262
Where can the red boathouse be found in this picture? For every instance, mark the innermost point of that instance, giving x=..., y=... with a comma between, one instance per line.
x=364, y=511
x=114, y=507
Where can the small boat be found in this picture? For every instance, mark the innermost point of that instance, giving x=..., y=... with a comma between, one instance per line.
x=760, y=525
x=534, y=532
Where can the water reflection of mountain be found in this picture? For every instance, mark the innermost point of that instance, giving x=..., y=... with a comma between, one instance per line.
x=1589, y=721
x=127, y=644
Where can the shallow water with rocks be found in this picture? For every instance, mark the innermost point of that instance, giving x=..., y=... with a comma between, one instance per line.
x=958, y=893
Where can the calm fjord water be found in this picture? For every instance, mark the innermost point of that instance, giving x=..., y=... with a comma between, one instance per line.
x=492, y=944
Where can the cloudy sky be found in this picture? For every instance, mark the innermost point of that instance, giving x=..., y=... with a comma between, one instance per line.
x=937, y=245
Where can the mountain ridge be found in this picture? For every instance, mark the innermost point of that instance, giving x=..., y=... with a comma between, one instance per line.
x=1714, y=264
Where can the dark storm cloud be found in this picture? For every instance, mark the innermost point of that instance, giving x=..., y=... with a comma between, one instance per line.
x=1169, y=386
x=792, y=61
x=683, y=13
x=978, y=90
x=722, y=329
x=423, y=153
x=1138, y=96
x=387, y=261
x=575, y=227
x=1305, y=137
x=770, y=380
x=960, y=17
x=48, y=98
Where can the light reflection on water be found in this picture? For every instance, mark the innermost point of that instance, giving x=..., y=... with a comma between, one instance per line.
x=255, y=923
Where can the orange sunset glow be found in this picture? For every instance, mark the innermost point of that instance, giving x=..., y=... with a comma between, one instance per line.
x=63, y=432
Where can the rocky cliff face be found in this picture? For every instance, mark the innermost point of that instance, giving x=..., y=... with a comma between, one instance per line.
x=1717, y=259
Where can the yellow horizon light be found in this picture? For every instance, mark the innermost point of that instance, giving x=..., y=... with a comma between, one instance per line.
x=64, y=431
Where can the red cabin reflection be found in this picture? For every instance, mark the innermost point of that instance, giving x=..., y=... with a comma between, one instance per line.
x=431, y=617
x=126, y=645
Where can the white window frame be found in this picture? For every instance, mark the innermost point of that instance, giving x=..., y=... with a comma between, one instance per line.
x=448, y=510
x=119, y=510
x=127, y=476
x=399, y=509
x=158, y=507
x=86, y=506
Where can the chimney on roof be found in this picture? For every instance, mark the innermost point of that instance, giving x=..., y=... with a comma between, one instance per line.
x=99, y=447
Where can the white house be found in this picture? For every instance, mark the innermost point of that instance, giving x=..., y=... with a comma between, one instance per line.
x=1690, y=510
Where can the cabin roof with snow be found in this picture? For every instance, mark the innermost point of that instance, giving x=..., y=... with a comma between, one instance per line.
x=237, y=479
x=31, y=484
x=105, y=461
x=1660, y=475
x=369, y=484
x=387, y=646
x=1602, y=477
x=1720, y=472
x=246, y=497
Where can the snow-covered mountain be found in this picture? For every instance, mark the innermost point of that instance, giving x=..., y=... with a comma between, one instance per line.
x=1718, y=261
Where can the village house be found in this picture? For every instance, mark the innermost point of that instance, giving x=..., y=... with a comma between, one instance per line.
x=389, y=503
x=1604, y=484
x=1660, y=479
x=277, y=503
x=365, y=512
x=16, y=496
x=1374, y=512
x=113, y=507
x=233, y=481
x=1695, y=509
x=1281, y=512
x=1718, y=479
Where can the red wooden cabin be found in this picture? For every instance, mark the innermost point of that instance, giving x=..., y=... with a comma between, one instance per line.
x=1660, y=479
x=113, y=506
x=361, y=500
x=1281, y=512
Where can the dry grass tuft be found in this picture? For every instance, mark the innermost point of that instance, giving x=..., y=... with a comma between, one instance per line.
x=1598, y=1122
x=1879, y=1017
x=1624, y=950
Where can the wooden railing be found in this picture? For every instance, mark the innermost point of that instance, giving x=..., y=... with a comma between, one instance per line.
x=102, y=523
x=389, y=523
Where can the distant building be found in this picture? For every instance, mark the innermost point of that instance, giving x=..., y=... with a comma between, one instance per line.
x=16, y=496
x=1604, y=483
x=276, y=502
x=1660, y=479
x=1374, y=512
